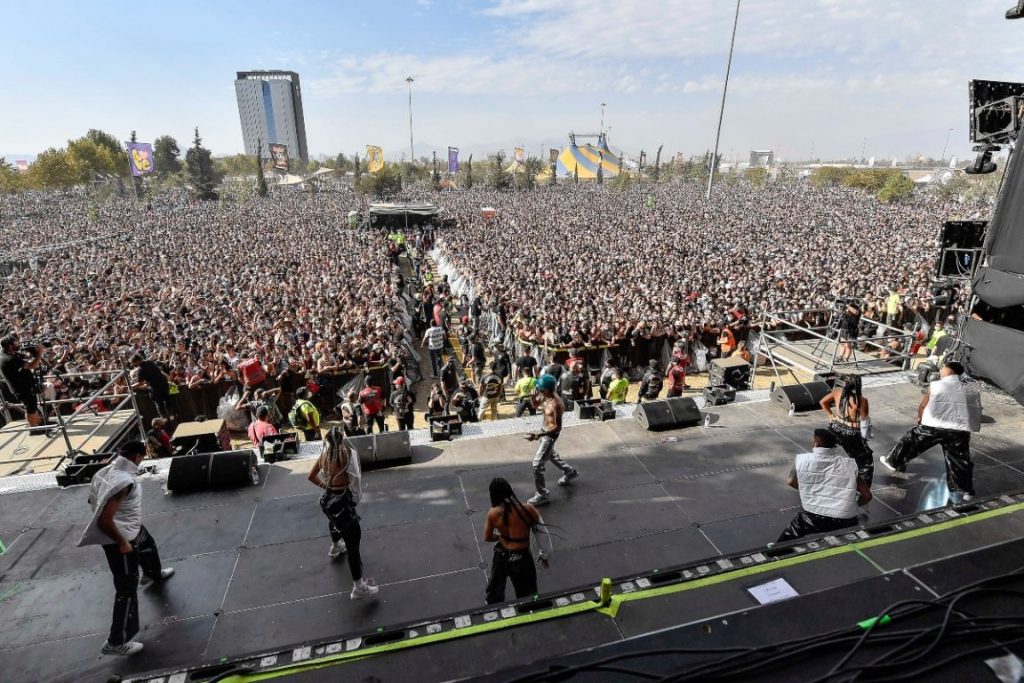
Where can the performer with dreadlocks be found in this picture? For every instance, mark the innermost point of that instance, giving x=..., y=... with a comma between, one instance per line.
x=337, y=472
x=850, y=422
x=511, y=525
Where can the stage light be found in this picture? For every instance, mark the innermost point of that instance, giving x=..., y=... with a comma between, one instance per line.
x=1016, y=12
x=983, y=163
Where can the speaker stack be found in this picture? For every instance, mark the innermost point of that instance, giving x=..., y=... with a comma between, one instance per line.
x=733, y=371
x=668, y=413
x=203, y=471
x=801, y=397
x=382, y=450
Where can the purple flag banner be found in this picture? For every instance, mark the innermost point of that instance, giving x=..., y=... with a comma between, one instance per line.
x=140, y=158
x=453, y=159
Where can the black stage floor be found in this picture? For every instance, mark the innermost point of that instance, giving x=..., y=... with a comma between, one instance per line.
x=252, y=572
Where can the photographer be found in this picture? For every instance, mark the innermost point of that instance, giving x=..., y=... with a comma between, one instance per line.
x=17, y=372
x=153, y=378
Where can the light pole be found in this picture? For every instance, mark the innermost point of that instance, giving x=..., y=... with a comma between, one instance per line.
x=412, y=157
x=945, y=145
x=721, y=110
x=602, y=118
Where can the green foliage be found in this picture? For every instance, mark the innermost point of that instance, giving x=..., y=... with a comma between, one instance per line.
x=357, y=168
x=202, y=173
x=657, y=164
x=467, y=173
x=499, y=178
x=621, y=182
x=576, y=174
x=382, y=184
x=342, y=163
x=756, y=176
x=829, y=175
x=261, y=181
x=312, y=166
x=11, y=179
x=870, y=179
x=165, y=156
x=897, y=188
x=52, y=169
x=236, y=165
x=527, y=178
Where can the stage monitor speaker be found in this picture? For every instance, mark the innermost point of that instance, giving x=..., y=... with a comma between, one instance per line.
x=226, y=469
x=719, y=395
x=363, y=448
x=391, y=448
x=733, y=371
x=668, y=413
x=801, y=397
x=587, y=408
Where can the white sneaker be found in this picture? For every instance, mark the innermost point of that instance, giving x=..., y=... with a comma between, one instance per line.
x=165, y=573
x=363, y=589
x=887, y=462
x=132, y=647
x=539, y=499
x=337, y=549
x=565, y=479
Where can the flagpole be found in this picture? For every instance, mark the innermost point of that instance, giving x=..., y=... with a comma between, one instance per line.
x=721, y=110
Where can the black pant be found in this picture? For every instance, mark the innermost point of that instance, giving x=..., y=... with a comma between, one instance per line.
x=857, y=448
x=405, y=421
x=956, y=447
x=312, y=434
x=806, y=523
x=511, y=564
x=343, y=522
x=125, y=568
x=525, y=404
x=375, y=419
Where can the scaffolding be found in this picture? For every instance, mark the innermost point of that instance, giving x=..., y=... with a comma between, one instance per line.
x=116, y=389
x=788, y=346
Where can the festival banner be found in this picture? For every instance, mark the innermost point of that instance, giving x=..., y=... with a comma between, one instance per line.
x=140, y=158
x=553, y=155
x=453, y=159
x=374, y=158
x=279, y=153
x=519, y=156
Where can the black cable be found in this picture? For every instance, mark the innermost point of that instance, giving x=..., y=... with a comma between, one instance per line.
x=540, y=675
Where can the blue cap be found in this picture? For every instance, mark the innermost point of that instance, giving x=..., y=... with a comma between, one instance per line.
x=546, y=382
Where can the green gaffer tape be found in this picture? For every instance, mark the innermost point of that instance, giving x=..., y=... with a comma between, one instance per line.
x=617, y=601
x=869, y=623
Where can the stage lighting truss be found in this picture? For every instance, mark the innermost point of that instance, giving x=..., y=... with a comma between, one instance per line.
x=996, y=111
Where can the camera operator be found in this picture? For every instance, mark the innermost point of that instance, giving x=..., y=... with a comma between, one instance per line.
x=17, y=372
x=849, y=329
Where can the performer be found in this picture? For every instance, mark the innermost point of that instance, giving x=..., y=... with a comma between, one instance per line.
x=944, y=418
x=17, y=372
x=849, y=330
x=512, y=527
x=850, y=422
x=553, y=411
x=337, y=472
x=116, y=500
x=830, y=489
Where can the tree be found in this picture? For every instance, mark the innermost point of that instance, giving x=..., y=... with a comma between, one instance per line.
x=499, y=178
x=261, y=181
x=600, y=169
x=341, y=164
x=657, y=164
x=576, y=174
x=756, y=175
x=10, y=178
x=51, y=169
x=234, y=165
x=897, y=188
x=469, y=172
x=829, y=175
x=531, y=169
x=201, y=171
x=384, y=183
x=165, y=156
x=357, y=167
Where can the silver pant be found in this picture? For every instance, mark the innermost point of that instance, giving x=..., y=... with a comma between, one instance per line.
x=546, y=451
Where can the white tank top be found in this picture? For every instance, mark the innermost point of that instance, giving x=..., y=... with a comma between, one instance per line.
x=828, y=483
x=947, y=405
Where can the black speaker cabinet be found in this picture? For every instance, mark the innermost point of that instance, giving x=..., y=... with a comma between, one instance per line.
x=733, y=371
x=391, y=448
x=719, y=395
x=668, y=413
x=802, y=397
x=588, y=408
x=226, y=469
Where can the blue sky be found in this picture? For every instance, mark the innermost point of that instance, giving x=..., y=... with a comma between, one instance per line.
x=829, y=76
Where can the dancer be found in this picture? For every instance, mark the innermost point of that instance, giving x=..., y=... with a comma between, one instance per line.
x=337, y=472
x=512, y=526
x=553, y=411
x=850, y=422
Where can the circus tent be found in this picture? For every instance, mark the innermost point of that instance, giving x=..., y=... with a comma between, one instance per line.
x=586, y=158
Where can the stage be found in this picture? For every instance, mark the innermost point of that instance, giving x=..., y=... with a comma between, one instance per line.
x=253, y=574
x=24, y=453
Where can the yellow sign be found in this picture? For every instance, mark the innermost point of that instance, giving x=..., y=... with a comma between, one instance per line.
x=374, y=158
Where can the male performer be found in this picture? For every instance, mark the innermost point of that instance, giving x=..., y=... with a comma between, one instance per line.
x=830, y=489
x=943, y=417
x=116, y=500
x=553, y=410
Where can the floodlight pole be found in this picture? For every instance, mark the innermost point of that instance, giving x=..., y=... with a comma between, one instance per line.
x=412, y=156
x=945, y=145
x=721, y=110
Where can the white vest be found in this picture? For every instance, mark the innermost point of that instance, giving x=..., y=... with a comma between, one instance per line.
x=110, y=480
x=947, y=405
x=828, y=483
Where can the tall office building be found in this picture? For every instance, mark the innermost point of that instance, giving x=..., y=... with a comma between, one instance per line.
x=270, y=109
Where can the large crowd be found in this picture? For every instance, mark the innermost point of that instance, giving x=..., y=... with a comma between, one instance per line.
x=197, y=286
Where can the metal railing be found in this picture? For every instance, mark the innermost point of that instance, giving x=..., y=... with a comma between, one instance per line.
x=109, y=391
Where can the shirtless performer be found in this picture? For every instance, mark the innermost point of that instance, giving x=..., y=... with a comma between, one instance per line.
x=847, y=410
x=553, y=411
x=512, y=525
